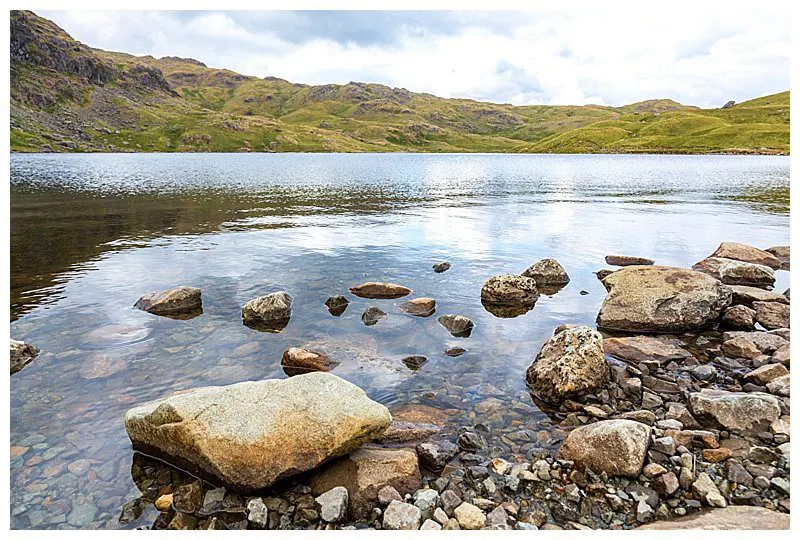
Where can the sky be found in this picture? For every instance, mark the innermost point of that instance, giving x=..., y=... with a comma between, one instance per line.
x=699, y=53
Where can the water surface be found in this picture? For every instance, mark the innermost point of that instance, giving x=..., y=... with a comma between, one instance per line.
x=92, y=233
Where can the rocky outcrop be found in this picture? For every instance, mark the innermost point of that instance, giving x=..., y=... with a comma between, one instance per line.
x=419, y=307
x=509, y=290
x=661, y=299
x=569, y=364
x=730, y=518
x=615, y=447
x=373, y=289
x=365, y=471
x=547, y=272
x=745, y=253
x=270, y=312
x=173, y=302
x=248, y=435
x=740, y=412
x=22, y=354
x=296, y=361
x=625, y=260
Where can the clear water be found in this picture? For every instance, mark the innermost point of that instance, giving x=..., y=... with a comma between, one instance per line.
x=92, y=233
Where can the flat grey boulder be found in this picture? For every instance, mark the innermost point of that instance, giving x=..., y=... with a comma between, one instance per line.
x=547, y=272
x=570, y=363
x=661, y=299
x=746, y=253
x=740, y=412
x=616, y=447
x=729, y=518
x=509, y=289
x=22, y=354
x=375, y=289
x=270, y=312
x=178, y=301
x=250, y=434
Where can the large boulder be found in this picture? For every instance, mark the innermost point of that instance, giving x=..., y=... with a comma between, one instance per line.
x=767, y=342
x=782, y=253
x=375, y=289
x=729, y=518
x=22, y=354
x=661, y=299
x=547, y=272
x=740, y=412
x=570, y=363
x=173, y=302
x=743, y=294
x=615, y=447
x=742, y=273
x=509, y=290
x=367, y=470
x=772, y=315
x=745, y=253
x=637, y=349
x=250, y=434
x=270, y=312
x=296, y=361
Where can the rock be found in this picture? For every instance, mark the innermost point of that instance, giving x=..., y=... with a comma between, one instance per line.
x=705, y=490
x=400, y=432
x=745, y=253
x=388, y=494
x=645, y=417
x=22, y=354
x=414, y=362
x=455, y=351
x=782, y=355
x=457, y=325
x=270, y=312
x=435, y=455
x=740, y=347
x=296, y=361
x=645, y=348
x=782, y=253
x=742, y=273
x=301, y=422
x=164, y=502
x=337, y=305
x=661, y=299
x=666, y=484
x=765, y=341
x=450, y=501
x=716, y=455
x=426, y=500
x=430, y=525
x=569, y=363
x=643, y=512
x=509, y=290
x=772, y=315
x=333, y=504
x=497, y=519
x=188, y=498
x=547, y=272
x=742, y=294
x=739, y=412
x=257, y=513
x=615, y=447
x=440, y=516
x=401, y=516
x=374, y=289
x=178, y=301
x=624, y=260
x=441, y=267
x=419, y=307
x=365, y=472
x=704, y=372
x=372, y=315
x=739, y=317
x=469, y=517
x=766, y=374
x=730, y=518
x=780, y=385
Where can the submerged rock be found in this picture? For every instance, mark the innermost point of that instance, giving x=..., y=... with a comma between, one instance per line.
x=250, y=434
x=455, y=351
x=374, y=289
x=180, y=301
x=615, y=447
x=372, y=315
x=419, y=307
x=739, y=412
x=337, y=304
x=625, y=260
x=457, y=325
x=270, y=312
x=748, y=254
x=22, y=354
x=441, y=267
x=414, y=362
x=364, y=472
x=296, y=361
x=547, y=272
x=661, y=299
x=510, y=290
x=570, y=363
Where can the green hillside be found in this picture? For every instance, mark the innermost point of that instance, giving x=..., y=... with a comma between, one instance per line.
x=68, y=97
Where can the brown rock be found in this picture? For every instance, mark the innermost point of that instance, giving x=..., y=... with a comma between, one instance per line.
x=740, y=347
x=296, y=361
x=772, y=315
x=373, y=289
x=399, y=433
x=419, y=307
x=22, y=354
x=270, y=312
x=782, y=253
x=715, y=455
x=365, y=472
x=766, y=374
x=637, y=349
x=624, y=260
x=509, y=290
x=547, y=272
x=739, y=317
x=424, y=414
x=742, y=294
x=178, y=301
x=739, y=412
x=745, y=253
x=616, y=447
x=730, y=518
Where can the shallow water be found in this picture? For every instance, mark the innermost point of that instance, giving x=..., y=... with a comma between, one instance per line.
x=92, y=233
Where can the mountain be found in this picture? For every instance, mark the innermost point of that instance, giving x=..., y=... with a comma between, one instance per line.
x=69, y=97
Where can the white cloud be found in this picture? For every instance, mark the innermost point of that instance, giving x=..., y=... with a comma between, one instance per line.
x=701, y=53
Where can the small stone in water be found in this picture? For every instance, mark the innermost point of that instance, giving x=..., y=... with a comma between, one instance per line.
x=441, y=267
x=337, y=304
x=371, y=315
x=414, y=362
x=455, y=351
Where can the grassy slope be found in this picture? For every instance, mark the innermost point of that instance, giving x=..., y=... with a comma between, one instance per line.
x=219, y=110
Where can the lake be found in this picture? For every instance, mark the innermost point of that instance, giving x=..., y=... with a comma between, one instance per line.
x=90, y=234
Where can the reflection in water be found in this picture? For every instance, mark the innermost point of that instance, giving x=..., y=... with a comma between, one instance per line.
x=91, y=233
